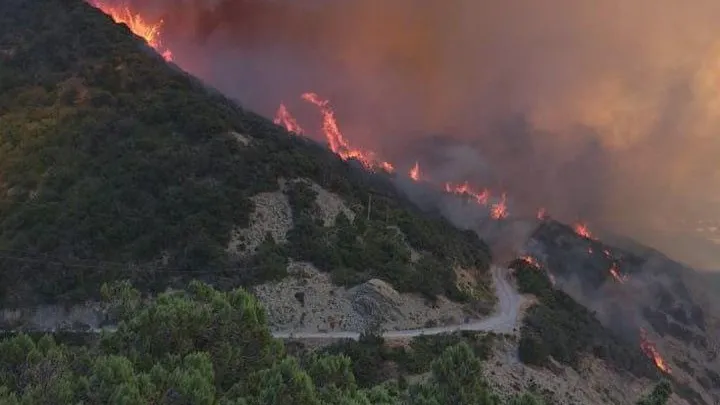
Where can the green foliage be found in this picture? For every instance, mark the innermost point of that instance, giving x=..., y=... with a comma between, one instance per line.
x=355, y=251
x=560, y=327
x=371, y=358
x=208, y=347
x=110, y=155
x=230, y=326
x=659, y=395
x=417, y=358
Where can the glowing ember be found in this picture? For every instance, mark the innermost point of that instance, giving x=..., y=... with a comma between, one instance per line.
x=150, y=32
x=615, y=273
x=338, y=144
x=415, y=172
x=582, y=230
x=283, y=118
x=651, y=351
x=499, y=209
x=531, y=261
x=536, y=264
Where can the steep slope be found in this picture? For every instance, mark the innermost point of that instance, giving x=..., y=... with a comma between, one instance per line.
x=116, y=164
x=668, y=309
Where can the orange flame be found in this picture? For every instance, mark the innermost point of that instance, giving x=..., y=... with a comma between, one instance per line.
x=415, y=172
x=542, y=214
x=535, y=263
x=499, y=209
x=283, y=118
x=338, y=144
x=531, y=261
x=651, y=351
x=150, y=32
x=582, y=230
x=341, y=147
x=481, y=197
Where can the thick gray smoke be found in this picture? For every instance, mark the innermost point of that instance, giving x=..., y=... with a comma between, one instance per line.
x=603, y=111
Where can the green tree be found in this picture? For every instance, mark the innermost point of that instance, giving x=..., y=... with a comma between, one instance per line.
x=457, y=378
x=525, y=399
x=230, y=326
x=283, y=383
x=659, y=395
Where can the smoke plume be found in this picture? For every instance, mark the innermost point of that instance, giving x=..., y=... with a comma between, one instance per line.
x=603, y=111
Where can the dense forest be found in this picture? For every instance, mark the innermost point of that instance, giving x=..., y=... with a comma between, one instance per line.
x=118, y=165
x=207, y=347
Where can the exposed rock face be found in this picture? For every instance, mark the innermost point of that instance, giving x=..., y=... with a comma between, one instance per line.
x=307, y=301
x=330, y=205
x=50, y=317
x=272, y=215
x=377, y=300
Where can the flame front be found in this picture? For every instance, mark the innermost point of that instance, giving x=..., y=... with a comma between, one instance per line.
x=536, y=264
x=651, y=351
x=481, y=196
x=150, y=32
x=499, y=209
x=415, y=172
x=582, y=230
x=283, y=118
x=338, y=144
x=341, y=147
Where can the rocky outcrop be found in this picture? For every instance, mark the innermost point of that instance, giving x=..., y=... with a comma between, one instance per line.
x=376, y=300
x=272, y=215
x=308, y=301
x=53, y=317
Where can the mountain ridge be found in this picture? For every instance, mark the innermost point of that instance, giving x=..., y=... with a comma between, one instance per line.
x=118, y=165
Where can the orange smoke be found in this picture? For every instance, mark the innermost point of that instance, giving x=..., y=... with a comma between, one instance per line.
x=148, y=31
x=651, y=351
x=283, y=118
x=415, y=172
x=338, y=144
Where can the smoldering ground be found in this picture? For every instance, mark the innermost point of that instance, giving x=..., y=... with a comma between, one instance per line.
x=606, y=111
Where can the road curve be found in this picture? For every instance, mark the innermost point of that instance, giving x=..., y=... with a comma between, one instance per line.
x=504, y=320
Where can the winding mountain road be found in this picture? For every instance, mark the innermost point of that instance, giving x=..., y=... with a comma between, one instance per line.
x=504, y=320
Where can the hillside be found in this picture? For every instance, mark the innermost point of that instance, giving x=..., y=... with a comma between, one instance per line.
x=116, y=164
x=634, y=288
x=207, y=347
